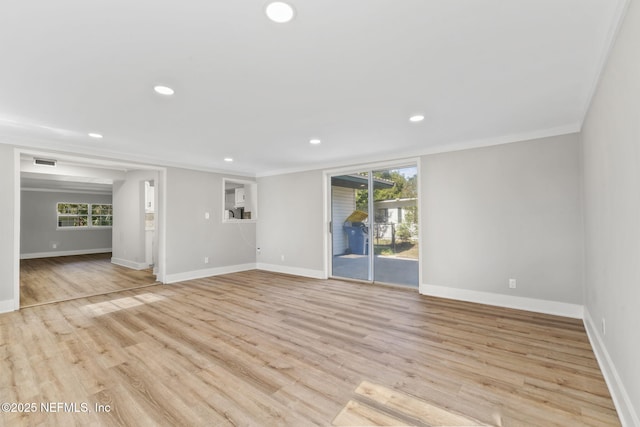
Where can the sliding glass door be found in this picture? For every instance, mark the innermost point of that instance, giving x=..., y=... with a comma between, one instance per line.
x=395, y=229
x=350, y=226
x=374, y=232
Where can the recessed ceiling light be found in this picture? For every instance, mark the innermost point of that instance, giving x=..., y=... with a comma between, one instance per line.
x=163, y=90
x=315, y=141
x=95, y=135
x=416, y=118
x=228, y=159
x=280, y=12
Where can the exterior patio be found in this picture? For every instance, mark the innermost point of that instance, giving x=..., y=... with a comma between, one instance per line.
x=387, y=269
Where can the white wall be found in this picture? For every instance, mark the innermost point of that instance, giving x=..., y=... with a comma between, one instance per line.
x=7, y=209
x=38, y=213
x=611, y=164
x=501, y=212
x=129, y=238
x=191, y=237
x=291, y=223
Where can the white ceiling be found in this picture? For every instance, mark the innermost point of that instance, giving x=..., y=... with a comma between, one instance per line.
x=348, y=72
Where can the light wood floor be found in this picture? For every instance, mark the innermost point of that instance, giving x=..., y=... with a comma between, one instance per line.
x=257, y=348
x=45, y=280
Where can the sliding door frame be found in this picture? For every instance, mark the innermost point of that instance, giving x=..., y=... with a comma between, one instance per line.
x=368, y=167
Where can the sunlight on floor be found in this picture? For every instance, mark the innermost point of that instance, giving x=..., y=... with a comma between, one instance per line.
x=377, y=405
x=98, y=309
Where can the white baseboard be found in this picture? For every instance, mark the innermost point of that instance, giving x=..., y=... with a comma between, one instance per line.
x=129, y=264
x=628, y=415
x=207, y=272
x=7, y=306
x=64, y=253
x=304, y=272
x=575, y=311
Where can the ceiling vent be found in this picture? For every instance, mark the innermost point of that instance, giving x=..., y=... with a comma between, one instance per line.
x=44, y=162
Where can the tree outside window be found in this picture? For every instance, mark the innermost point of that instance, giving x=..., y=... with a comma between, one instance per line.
x=84, y=215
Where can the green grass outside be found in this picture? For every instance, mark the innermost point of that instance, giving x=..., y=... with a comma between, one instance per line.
x=402, y=249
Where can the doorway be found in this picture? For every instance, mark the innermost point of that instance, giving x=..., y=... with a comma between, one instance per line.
x=374, y=225
x=70, y=245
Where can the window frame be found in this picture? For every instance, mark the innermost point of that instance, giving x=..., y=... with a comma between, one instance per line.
x=252, y=200
x=89, y=216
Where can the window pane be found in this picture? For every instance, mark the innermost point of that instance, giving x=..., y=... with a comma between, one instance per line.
x=67, y=208
x=102, y=221
x=72, y=221
x=101, y=209
x=66, y=221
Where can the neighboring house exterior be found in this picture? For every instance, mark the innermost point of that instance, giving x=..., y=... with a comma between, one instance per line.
x=390, y=213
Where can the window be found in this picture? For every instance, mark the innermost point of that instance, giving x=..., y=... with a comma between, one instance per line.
x=240, y=200
x=101, y=215
x=84, y=215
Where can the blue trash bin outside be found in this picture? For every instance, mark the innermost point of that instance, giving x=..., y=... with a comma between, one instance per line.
x=357, y=238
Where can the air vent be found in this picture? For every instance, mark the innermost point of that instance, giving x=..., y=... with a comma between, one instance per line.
x=44, y=162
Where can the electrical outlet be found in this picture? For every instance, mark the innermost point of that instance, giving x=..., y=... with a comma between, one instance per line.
x=258, y=250
x=206, y=215
x=281, y=257
x=512, y=283
x=206, y=260
x=604, y=327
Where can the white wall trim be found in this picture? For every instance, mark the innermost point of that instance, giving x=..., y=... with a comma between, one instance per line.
x=51, y=190
x=296, y=271
x=17, y=223
x=626, y=411
x=208, y=272
x=575, y=311
x=129, y=264
x=161, y=218
x=64, y=253
x=420, y=221
x=7, y=305
x=327, y=217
